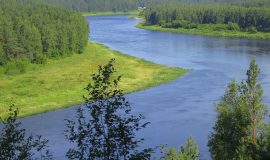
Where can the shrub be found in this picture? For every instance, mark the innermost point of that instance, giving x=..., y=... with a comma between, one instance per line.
x=179, y=23
x=3, y=58
x=15, y=67
x=233, y=26
x=161, y=23
x=191, y=26
x=39, y=59
x=252, y=30
x=167, y=25
x=220, y=27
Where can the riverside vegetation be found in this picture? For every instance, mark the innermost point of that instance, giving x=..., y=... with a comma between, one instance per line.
x=225, y=20
x=38, y=66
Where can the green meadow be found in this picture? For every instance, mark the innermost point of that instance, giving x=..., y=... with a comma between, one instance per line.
x=60, y=82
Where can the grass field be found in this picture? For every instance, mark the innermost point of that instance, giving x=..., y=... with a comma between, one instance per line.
x=207, y=30
x=60, y=83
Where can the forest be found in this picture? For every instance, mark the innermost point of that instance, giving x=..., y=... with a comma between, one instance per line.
x=235, y=17
x=127, y=5
x=33, y=32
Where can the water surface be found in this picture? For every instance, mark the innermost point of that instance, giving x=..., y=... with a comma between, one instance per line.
x=178, y=109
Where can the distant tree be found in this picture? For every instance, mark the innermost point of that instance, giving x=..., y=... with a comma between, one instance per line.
x=33, y=32
x=239, y=131
x=189, y=151
x=104, y=127
x=15, y=145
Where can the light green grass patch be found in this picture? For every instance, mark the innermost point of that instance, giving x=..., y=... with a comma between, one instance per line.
x=60, y=83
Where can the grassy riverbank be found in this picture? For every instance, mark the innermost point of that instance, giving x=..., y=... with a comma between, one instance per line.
x=60, y=83
x=135, y=12
x=208, y=30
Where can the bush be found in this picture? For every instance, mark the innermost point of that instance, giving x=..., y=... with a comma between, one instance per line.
x=233, y=26
x=167, y=25
x=220, y=27
x=15, y=67
x=39, y=59
x=179, y=23
x=3, y=58
x=191, y=26
x=161, y=23
x=252, y=30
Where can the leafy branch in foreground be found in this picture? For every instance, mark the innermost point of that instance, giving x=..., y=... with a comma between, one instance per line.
x=14, y=144
x=105, y=127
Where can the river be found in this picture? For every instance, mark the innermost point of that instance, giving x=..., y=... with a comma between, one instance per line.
x=180, y=108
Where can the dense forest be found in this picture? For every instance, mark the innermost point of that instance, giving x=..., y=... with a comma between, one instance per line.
x=235, y=17
x=36, y=32
x=127, y=5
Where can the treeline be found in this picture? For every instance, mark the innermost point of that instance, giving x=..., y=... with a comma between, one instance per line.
x=95, y=5
x=188, y=16
x=36, y=32
x=127, y=5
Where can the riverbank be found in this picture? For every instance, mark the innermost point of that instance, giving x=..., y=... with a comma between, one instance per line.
x=135, y=12
x=59, y=83
x=207, y=30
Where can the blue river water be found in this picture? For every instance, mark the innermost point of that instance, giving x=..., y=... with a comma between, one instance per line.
x=181, y=108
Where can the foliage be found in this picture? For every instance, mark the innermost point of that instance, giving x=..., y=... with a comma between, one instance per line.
x=207, y=30
x=127, y=5
x=36, y=32
x=233, y=26
x=234, y=17
x=109, y=132
x=14, y=144
x=15, y=67
x=189, y=151
x=239, y=129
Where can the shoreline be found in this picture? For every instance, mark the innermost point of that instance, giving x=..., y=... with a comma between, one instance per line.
x=200, y=32
x=135, y=12
x=59, y=83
